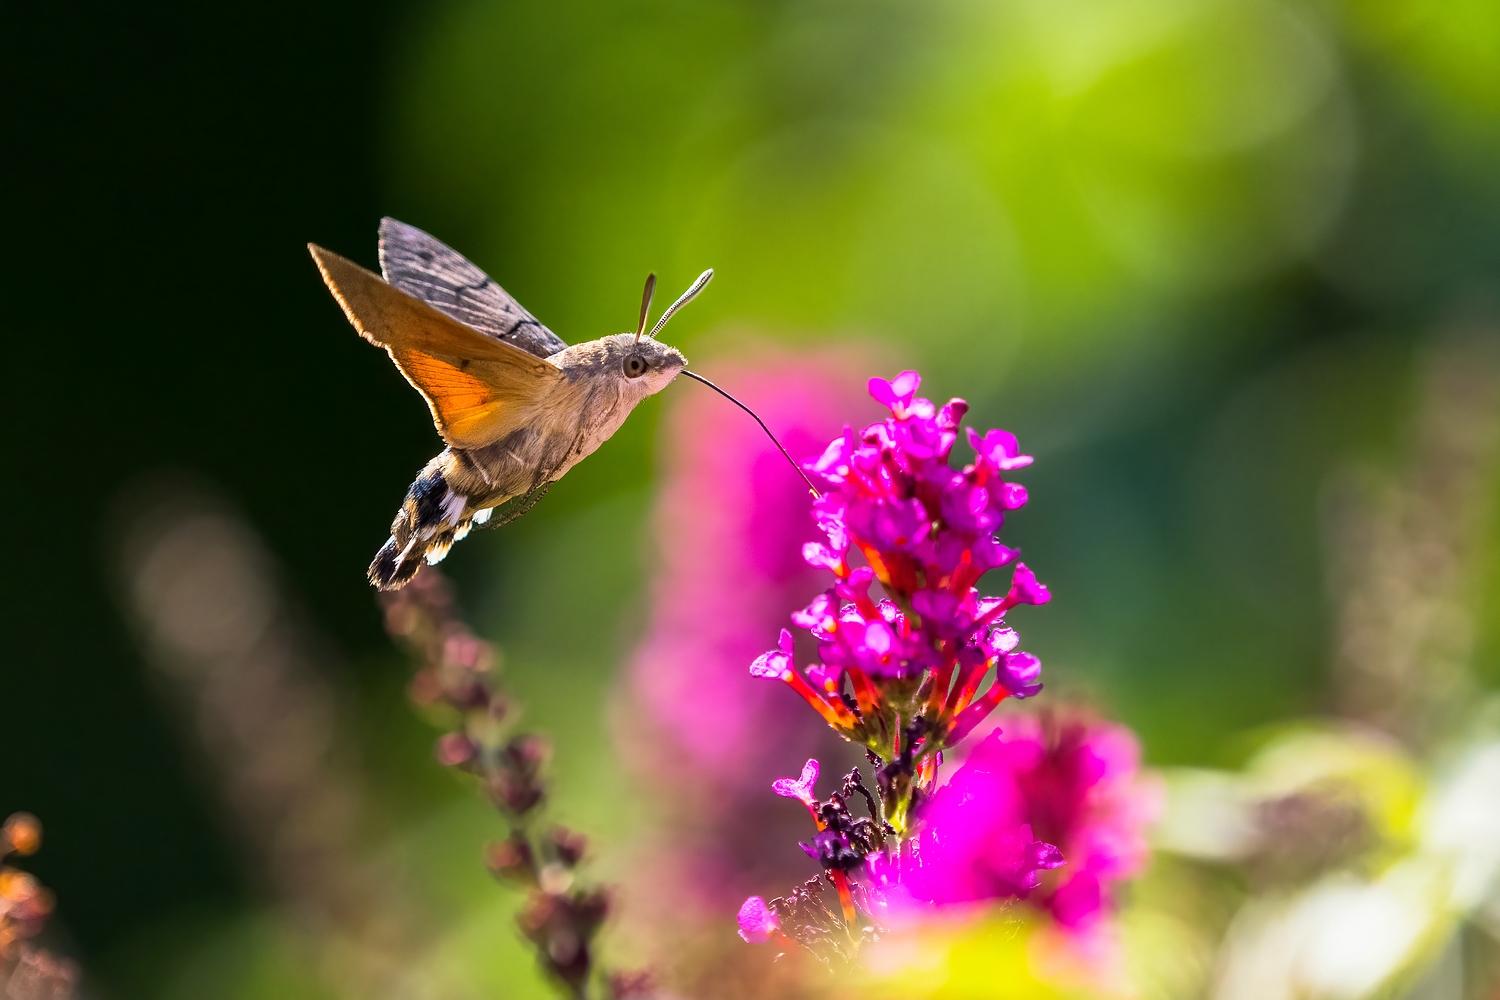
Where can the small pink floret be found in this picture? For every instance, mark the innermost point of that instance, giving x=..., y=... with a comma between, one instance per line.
x=999, y=448
x=1025, y=589
x=801, y=788
x=898, y=392
x=757, y=921
x=454, y=749
x=772, y=665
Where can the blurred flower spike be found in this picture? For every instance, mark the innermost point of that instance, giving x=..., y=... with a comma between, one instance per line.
x=24, y=902
x=901, y=675
x=457, y=678
x=27, y=971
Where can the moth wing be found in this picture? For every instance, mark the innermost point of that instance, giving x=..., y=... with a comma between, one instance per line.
x=427, y=268
x=478, y=388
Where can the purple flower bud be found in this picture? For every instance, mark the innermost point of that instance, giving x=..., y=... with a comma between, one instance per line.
x=833, y=464
x=889, y=524
x=940, y=612
x=828, y=511
x=967, y=508
x=1000, y=640
x=757, y=921
x=825, y=676
x=952, y=414
x=1012, y=496
x=879, y=640
x=1020, y=672
x=989, y=554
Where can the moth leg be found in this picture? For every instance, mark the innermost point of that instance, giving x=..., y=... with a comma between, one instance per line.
x=527, y=501
x=530, y=501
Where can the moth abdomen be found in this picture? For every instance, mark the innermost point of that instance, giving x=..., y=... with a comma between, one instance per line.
x=431, y=518
x=431, y=500
x=388, y=571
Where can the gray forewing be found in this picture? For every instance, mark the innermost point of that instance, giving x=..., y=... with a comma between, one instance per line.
x=445, y=279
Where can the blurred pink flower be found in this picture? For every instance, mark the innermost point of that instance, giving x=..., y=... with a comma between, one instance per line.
x=1072, y=780
x=731, y=522
x=706, y=738
x=988, y=835
x=973, y=846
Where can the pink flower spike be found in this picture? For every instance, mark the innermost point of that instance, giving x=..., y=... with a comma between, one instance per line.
x=757, y=921
x=801, y=788
x=897, y=393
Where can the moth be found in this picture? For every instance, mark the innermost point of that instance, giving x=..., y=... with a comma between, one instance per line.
x=516, y=406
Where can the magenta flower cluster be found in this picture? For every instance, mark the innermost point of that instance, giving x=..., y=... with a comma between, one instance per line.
x=902, y=673
x=916, y=658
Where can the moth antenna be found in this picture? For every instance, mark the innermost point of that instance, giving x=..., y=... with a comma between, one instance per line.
x=646, y=297
x=695, y=376
x=684, y=299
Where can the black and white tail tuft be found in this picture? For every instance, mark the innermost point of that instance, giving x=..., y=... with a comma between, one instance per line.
x=431, y=519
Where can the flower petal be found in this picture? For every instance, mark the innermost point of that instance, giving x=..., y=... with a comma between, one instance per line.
x=757, y=921
x=1025, y=589
x=799, y=788
x=898, y=392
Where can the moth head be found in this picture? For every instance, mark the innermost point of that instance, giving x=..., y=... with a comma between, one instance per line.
x=651, y=363
x=646, y=360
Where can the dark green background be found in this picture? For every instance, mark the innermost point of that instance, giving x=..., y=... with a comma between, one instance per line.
x=167, y=163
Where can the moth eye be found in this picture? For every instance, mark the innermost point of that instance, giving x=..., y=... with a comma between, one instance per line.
x=635, y=366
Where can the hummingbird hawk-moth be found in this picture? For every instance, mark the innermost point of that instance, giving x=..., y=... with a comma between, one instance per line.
x=516, y=405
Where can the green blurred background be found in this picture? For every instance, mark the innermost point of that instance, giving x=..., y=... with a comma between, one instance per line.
x=1191, y=251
